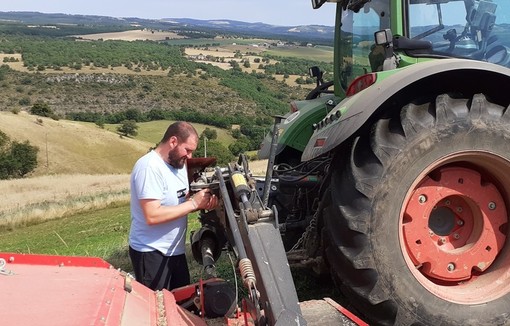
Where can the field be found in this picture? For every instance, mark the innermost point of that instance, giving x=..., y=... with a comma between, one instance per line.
x=133, y=35
x=226, y=49
x=67, y=147
x=81, y=166
x=19, y=66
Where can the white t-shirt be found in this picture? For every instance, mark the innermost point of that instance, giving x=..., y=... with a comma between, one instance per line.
x=153, y=178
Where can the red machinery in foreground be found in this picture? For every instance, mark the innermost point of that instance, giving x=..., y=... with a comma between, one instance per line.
x=61, y=290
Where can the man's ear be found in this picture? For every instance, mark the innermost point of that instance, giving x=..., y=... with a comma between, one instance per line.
x=173, y=141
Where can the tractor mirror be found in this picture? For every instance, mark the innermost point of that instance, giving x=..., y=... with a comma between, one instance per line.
x=383, y=37
x=314, y=72
x=318, y=3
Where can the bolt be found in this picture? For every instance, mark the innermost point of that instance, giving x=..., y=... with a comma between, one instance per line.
x=459, y=209
x=460, y=222
x=492, y=205
x=443, y=240
x=422, y=199
x=431, y=233
x=447, y=202
x=273, y=188
x=451, y=267
x=456, y=236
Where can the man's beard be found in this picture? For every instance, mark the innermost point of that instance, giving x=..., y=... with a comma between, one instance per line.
x=175, y=160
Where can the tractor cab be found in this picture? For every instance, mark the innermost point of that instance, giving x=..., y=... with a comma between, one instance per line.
x=418, y=30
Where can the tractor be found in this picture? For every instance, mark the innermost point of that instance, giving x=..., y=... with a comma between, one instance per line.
x=394, y=177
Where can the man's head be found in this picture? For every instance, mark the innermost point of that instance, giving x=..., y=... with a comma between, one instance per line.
x=180, y=140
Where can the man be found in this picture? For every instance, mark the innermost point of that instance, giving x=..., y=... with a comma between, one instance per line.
x=159, y=207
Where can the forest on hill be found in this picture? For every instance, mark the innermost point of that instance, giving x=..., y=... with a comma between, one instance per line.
x=111, y=81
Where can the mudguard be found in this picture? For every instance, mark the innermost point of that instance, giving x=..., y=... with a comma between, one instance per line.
x=353, y=112
x=296, y=129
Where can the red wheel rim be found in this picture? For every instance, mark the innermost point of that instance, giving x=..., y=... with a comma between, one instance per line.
x=454, y=229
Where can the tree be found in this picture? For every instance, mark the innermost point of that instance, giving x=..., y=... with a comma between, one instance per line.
x=215, y=149
x=41, y=109
x=239, y=146
x=16, y=159
x=128, y=128
x=23, y=158
x=209, y=133
x=133, y=114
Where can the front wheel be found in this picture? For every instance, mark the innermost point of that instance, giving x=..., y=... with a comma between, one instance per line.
x=418, y=226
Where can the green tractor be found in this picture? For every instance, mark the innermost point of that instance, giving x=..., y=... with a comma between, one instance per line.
x=394, y=178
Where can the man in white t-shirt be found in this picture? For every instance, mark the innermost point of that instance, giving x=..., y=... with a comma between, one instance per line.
x=159, y=207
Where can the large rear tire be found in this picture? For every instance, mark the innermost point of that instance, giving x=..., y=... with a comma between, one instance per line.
x=418, y=225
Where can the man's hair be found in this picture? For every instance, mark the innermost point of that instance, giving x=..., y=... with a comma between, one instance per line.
x=180, y=129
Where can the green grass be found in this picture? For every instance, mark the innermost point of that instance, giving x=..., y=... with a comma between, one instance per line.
x=104, y=233
x=101, y=233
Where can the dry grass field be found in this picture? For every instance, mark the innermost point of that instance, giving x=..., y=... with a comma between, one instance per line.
x=228, y=52
x=133, y=35
x=81, y=167
x=19, y=66
x=38, y=199
x=67, y=147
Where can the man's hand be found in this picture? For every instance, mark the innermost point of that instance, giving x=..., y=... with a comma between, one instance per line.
x=205, y=199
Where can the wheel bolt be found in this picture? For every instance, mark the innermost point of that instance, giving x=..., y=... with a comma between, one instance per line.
x=492, y=205
x=450, y=267
x=422, y=199
x=456, y=236
x=443, y=240
x=460, y=222
x=459, y=209
x=447, y=202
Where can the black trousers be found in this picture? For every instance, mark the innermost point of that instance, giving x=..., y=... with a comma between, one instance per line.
x=157, y=271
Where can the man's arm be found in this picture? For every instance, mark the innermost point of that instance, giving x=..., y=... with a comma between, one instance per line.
x=155, y=213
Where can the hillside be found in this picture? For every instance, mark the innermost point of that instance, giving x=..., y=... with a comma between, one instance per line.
x=67, y=147
x=305, y=33
x=81, y=166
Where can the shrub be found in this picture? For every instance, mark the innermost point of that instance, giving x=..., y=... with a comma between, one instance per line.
x=41, y=109
x=128, y=128
x=16, y=159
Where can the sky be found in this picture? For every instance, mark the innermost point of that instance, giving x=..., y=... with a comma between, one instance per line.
x=275, y=12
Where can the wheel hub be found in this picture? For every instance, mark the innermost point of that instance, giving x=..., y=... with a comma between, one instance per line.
x=453, y=223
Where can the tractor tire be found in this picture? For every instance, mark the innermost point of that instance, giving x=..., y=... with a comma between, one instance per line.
x=417, y=229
